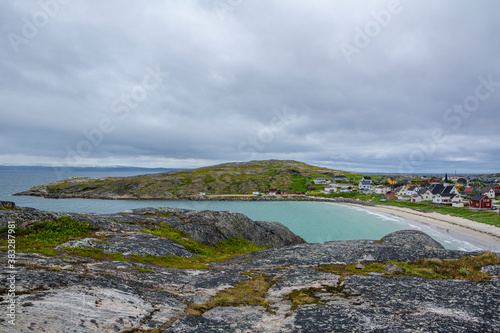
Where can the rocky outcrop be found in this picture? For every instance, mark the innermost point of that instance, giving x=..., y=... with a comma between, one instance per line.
x=83, y=294
x=207, y=227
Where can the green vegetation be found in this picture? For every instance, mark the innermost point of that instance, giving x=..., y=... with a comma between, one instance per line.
x=206, y=253
x=43, y=237
x=144, y=270
x=231, y=178
x=483, y=216
x=310, y=295
x=249, y=292
x=465, y=268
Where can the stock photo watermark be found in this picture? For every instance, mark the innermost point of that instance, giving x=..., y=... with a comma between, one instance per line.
x=254, y=144
x=121, y=108
x=372, y=29
x=453, y=118
x=32, y=25
x=225, y=7
x=12, y=274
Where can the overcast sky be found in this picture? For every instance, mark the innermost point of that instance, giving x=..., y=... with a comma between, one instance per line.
x=387, y=86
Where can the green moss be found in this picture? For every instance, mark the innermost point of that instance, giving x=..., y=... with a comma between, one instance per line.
x=311, y=295
x=249, y=292
x=42, y=237
x=465, y=268
x=207, y=253
x=144, y=270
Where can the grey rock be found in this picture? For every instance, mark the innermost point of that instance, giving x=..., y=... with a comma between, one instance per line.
x=392, y=268
x=56, y=294
x=493, y=270
x=7, y=205
x=360, y=266
x=411, y=238
x=133, y=243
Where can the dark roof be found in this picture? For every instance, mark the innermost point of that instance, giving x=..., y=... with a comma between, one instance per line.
x=478, y=197
x=440, y=189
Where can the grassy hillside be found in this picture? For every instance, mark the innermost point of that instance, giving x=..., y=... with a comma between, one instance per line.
x=229, y=178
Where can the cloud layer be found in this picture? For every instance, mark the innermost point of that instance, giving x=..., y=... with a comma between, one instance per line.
x=389, y=86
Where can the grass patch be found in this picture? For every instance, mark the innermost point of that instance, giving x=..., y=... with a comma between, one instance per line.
x=311, y=295
x=482, y=216
x=249, y=292
x=42, y=237
x=207, y=253
x=144, y=270
x=204, y=253
x=466, y=268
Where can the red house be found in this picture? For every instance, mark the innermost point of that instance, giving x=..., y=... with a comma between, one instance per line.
x=480, y=201
x=468, y=190
x=390, y=195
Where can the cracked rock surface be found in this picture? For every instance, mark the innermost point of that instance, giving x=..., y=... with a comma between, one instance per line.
x=82, y=294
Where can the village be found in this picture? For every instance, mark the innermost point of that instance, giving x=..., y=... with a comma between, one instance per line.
x=455, y=191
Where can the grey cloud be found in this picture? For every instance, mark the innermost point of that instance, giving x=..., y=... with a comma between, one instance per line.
x=228, y=71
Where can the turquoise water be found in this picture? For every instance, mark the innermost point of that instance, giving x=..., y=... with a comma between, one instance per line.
x=316, y=222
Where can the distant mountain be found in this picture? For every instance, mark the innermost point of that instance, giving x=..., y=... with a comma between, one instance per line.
x=228, y=178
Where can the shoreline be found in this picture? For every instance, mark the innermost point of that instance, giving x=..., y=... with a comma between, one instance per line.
x=477, y=233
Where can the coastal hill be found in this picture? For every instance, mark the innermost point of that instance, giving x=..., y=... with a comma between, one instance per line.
x=228, y=178
x=176, y=271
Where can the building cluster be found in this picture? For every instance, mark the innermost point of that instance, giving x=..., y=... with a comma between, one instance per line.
x=456, y=191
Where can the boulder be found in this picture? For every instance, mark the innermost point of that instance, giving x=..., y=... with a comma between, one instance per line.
x=392, y=268
x=7, y=205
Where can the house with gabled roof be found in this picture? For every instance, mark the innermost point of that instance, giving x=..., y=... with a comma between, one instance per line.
x=416, y=198
x=480, y=201
x=339, y=178
x=322, y=181
x=489, y=192
x=381, y=189
x=365, y=185
x=390, y=195
x=425, y=194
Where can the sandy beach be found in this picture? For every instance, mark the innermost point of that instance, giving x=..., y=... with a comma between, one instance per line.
x=482, y=235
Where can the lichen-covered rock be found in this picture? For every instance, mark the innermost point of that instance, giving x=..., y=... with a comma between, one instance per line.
x=208, y=227
x=83, y=294
x=411, y=238
x=133, y=243
x=7, y=205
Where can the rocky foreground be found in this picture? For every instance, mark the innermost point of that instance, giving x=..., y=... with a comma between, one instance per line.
x=75, y=293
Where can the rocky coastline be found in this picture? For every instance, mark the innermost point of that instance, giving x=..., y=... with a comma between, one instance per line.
x=75, y=293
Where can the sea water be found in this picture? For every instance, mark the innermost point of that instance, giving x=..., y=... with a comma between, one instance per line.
x=316, y=222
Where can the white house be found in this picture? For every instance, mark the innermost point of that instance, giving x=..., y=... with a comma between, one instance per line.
x=330, y=188
x=401, y=191
x=457, y=201
x=367, y=179
x=346, y=188
x=365, y=185
x=425, y=194
x=412, y=190
x=416, y=198
x=321, y=181
x=490, y=193
x=382, y=189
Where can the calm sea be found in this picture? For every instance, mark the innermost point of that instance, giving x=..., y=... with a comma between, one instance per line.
x=315, y=222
